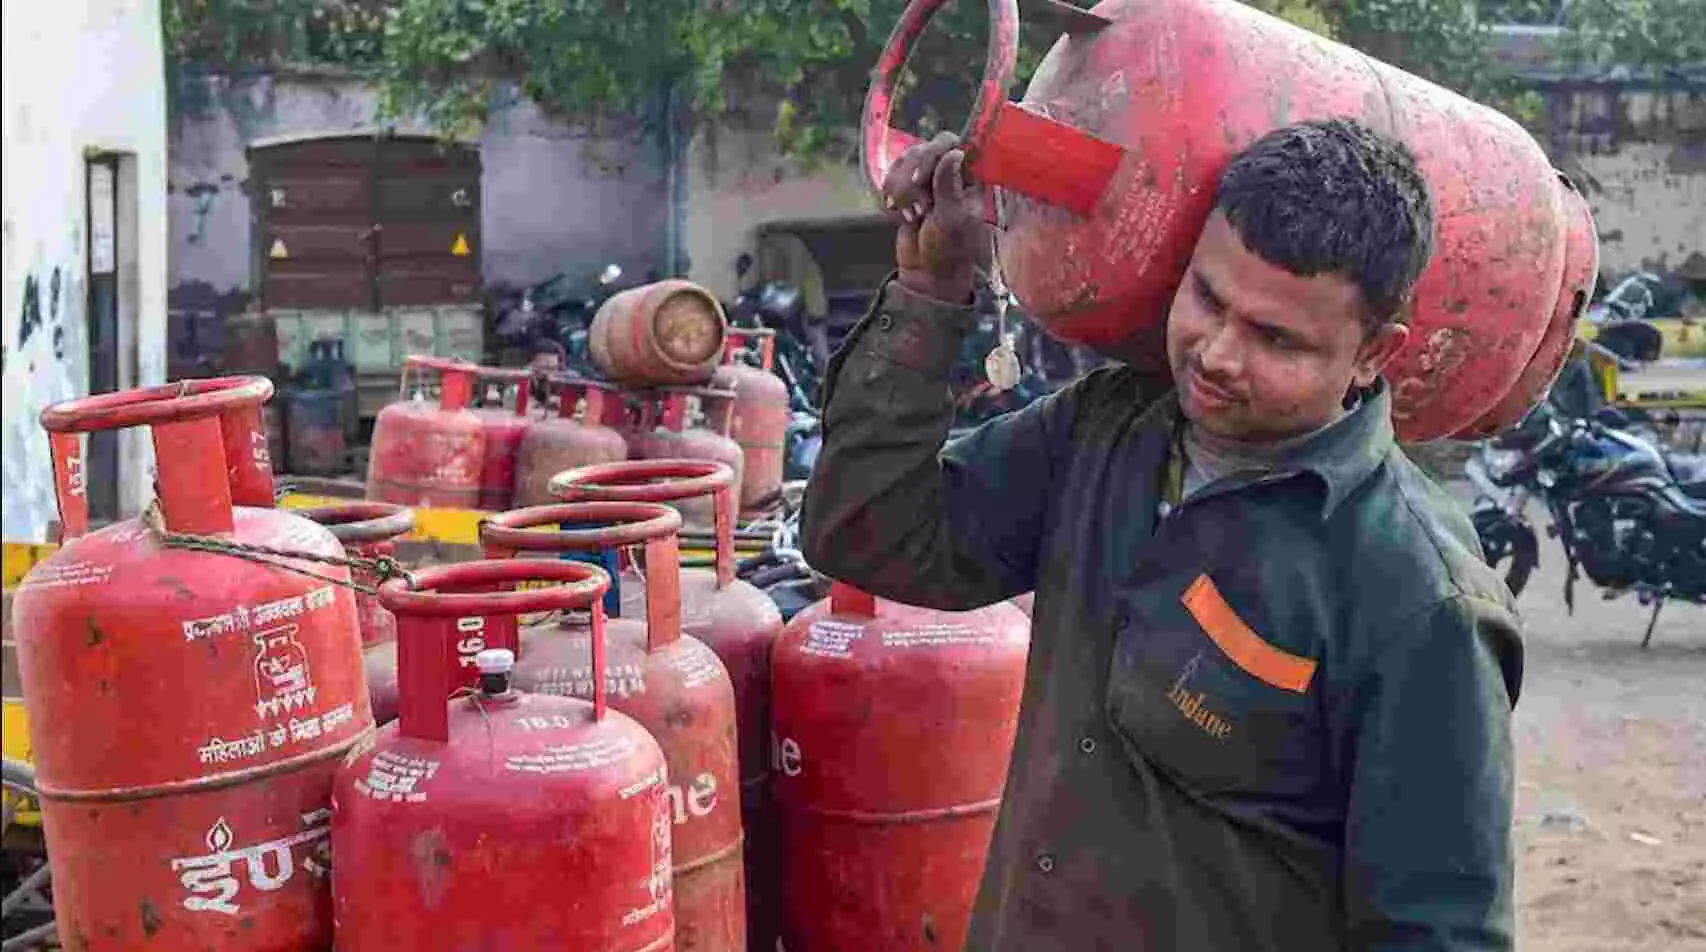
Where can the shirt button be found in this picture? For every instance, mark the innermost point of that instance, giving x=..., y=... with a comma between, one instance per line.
x=885, y=322
x=1045, y=862
x=1087, y=745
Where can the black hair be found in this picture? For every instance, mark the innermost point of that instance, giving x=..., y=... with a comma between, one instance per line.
x=1333, y=196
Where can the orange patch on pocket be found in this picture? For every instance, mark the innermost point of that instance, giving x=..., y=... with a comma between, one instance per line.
x=1238, y=641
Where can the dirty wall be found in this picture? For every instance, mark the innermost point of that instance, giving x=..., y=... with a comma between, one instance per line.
x=81, y=77
x=554, y=196
x=1638, y=151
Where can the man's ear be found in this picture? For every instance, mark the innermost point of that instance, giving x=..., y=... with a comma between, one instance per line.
x=1377, y=351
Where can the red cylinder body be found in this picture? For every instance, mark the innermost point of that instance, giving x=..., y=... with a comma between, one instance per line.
x=574, y=437
x=1581, y=273
x=187, y=709
x=501, y=820
x=671, y=684
x=664, y=433
x=734, y=619
x=369, y=530
x=427, y=455
x=892, y=728
x=503, y=431
x=759, y=417
x=666, y=332
x=1108, y=168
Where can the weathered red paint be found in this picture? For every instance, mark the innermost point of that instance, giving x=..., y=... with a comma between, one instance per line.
x=666, y=332
x=664, y=433
x=735, y=619
x=1581, y=272
x=502, y=430
x=500, y=820
x=571, y=438
x=671, y=683
x=369, y=530
x=427, y=455
x=892, y=730
x=760, y=415
x=1180, y=87
x=187, y=709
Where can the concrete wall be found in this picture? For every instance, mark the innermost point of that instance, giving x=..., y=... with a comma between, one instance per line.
x=554, y=197
x=1639, y=155
x=81, y=76
x=737, y=181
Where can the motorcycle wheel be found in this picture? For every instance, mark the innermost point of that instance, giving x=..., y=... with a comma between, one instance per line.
x=1503, y=540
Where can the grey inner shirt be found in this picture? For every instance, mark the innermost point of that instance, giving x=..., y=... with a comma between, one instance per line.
x=1209, y=457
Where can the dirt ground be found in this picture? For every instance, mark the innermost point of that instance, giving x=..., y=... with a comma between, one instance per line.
x=1611, y=797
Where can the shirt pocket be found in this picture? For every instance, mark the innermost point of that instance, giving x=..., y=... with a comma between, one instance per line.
x=1198, y=690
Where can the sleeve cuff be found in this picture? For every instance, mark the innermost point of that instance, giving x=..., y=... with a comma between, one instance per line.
x=917, y=331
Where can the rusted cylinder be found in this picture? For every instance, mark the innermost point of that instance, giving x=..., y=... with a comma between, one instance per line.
x=426, y=454
x=369, y=530
x=664, y=432
x=661, y=333
x=187, y=708
x=587, y=429
x=892, y=728
x=735, y=619
x=759, y=417
x=500, y=820
x=669, y=682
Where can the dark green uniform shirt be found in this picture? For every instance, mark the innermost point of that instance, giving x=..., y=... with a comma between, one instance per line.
x=1276, y=716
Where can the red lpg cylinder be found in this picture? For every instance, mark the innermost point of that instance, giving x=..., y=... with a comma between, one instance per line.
x=587, y=429
x=500, y=820
x=760, y=414
x=1106, y=173
x=427, y=455
x=1581, y=271
x=892, y=727
x=503, y=432
x=188, y=708
x=660, y=333
x=672, y=684
x=369, y=530
x=665, y=432
x=734, y=619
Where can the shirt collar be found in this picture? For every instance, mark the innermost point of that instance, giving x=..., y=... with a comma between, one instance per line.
x=1341, y=455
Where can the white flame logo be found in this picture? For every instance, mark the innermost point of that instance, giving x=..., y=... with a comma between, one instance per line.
x=219, y=837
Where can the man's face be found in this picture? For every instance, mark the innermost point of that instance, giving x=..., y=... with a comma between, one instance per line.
x=1259, y=353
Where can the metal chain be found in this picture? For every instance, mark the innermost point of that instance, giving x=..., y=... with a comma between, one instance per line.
x=382, y=569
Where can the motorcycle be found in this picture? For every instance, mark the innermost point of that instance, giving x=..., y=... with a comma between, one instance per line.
x=553, y=316
x=1631, y=517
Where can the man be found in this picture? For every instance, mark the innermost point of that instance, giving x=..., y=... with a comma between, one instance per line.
x=1270, y=682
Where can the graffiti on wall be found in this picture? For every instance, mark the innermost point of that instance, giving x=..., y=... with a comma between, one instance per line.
x=42, y=363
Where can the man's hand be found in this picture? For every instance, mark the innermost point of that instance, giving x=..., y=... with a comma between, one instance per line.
x=942, y=235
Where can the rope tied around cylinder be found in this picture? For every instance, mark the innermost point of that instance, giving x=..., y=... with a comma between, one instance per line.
x=380, y=568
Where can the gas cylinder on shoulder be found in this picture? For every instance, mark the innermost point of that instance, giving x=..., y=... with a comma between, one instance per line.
x=733, y=618
x=369, y=530
x=759, y=417
x=427, y=454
x=1104, y=175
x=500, y=819
x=188, y=706
x=669, y=682
x=587, y=429
x=688, y=423
x=892, y=729
x=502, y=430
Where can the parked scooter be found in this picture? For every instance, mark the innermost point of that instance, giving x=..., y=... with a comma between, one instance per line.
x=1629, y=515
x=554, y=316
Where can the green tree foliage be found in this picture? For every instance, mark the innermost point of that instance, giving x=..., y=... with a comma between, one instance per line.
x=594, y=59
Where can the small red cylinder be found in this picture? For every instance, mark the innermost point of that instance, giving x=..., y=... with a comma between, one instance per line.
x=759, y=417
x=424, y=454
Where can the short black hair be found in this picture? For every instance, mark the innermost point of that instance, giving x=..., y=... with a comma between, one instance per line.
x=1333, y=196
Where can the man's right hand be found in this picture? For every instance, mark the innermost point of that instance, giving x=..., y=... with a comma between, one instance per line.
x=942, y=234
